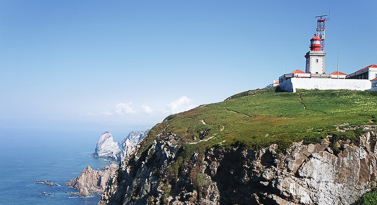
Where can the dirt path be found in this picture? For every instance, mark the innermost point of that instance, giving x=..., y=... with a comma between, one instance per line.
x=205, y=140
x=239, y=113
x=299, y=95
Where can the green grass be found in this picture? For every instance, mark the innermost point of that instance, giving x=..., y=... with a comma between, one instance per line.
x=369, y=198
x=259, y=118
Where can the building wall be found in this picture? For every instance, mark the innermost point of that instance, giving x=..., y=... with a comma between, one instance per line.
x=369, y=73
x=292, y=84
x=336, y=76
x=374, y=85
x=315, y=62
x=372, y=74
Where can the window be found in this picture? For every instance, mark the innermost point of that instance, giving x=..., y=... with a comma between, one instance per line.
x=376, y=75
x=316, y=60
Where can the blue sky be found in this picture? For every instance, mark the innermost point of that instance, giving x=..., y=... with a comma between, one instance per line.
x=126, y=65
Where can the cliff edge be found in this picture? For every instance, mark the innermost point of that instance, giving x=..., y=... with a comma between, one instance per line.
x=303, y=174
x=257, y=147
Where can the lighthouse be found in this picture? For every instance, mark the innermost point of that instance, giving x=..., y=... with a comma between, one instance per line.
x=315, y=76
x=315, y=58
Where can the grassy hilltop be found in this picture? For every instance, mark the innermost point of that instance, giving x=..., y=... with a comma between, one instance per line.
x=262, y=117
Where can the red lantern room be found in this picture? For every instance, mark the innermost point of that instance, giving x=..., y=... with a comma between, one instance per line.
x=315, y=43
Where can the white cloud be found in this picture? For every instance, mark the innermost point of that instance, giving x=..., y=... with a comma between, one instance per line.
x=122, y=109
x=107, y=113
x=180, y=105
x=147, y=109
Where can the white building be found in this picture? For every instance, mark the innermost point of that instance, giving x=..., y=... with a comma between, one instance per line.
x=315, y=76
x=369, y=73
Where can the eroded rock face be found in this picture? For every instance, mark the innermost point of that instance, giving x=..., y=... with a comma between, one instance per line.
x=92, y=181
x=106, y=147
x=302, y=174
x=129, y=143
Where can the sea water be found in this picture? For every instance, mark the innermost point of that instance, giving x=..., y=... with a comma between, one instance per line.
x=31, y=155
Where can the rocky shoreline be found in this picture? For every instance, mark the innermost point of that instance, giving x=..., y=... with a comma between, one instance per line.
x=94, y=181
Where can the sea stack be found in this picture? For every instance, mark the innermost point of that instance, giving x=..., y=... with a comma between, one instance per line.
x=106, y=147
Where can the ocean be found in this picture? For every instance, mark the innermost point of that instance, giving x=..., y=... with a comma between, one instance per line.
x=57, y=156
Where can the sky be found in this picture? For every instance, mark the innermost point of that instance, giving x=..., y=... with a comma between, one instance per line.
x=125, y=65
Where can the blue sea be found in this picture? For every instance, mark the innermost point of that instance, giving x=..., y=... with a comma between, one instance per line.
x=57, y=156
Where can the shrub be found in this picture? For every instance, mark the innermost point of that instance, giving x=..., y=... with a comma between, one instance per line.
x=166, y=190
x=369, y=198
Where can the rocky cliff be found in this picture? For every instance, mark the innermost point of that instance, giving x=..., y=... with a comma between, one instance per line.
x=92, y=181
x=333, y=171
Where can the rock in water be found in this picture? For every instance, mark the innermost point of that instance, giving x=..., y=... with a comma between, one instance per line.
x=106, y=147
x=92, y=181
x=129, y=143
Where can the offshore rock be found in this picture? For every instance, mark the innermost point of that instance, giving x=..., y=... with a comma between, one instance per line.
x=92, y=181
x=302, y=174
x=106, y=147
x=129, y=143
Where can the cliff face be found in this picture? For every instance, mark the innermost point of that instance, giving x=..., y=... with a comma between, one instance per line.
x=129, y=143
x=302, y=174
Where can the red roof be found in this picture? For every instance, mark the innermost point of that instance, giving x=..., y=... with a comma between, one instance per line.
x=371, y=66
x=276, y=83
x=337, y=73
x=297, y=71
x=373, y=79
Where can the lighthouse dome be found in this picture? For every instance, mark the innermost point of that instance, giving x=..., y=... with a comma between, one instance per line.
x=315, y=43
x=315, y=38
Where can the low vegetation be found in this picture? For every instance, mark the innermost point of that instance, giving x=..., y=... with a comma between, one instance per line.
x=369, y=198
x=256, y=119
x=259, y=118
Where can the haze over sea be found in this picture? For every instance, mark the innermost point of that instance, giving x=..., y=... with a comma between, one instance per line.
x=30, y=155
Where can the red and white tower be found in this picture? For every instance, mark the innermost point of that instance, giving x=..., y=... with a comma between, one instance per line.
x=315, y=58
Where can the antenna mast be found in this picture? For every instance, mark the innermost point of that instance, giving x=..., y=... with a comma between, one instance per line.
x=321, y=25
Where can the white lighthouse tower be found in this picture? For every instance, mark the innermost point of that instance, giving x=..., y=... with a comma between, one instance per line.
x=315, y=58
